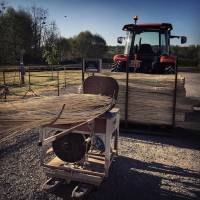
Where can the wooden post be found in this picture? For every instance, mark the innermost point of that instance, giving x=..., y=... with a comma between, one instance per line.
x=58, y=84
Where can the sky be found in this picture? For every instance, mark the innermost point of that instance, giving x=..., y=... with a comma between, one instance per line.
x=107, y=17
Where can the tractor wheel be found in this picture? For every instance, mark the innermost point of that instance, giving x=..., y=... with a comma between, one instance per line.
x=170, y=69
x=114, y=67
x=119, y=67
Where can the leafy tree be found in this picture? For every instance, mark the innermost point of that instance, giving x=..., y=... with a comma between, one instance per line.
x=15, y=34
x=88, y=45
x=51, y=55
x=188, y=56
x=65, y=48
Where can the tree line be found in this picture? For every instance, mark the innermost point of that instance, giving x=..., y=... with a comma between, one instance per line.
x=188, y=56
x=29, y=33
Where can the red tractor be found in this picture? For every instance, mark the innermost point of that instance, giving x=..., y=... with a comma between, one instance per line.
x=147, y=48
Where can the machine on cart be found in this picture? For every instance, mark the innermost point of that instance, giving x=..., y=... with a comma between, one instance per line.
x=82, y=152
x=147, y=48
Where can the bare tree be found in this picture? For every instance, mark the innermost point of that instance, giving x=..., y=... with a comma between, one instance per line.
x=39, y=20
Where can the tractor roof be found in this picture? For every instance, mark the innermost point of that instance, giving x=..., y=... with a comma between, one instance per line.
x=147, y=27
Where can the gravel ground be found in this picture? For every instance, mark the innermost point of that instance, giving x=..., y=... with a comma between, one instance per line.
x=149, y=167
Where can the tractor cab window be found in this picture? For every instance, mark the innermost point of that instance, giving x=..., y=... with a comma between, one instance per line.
x=154, y=40
x=150, y=41
x=147, y=38
x=129, y=37
x=164, y=49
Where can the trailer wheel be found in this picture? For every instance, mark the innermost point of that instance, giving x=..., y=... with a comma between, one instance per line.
x=51, y=185
x=81, y=191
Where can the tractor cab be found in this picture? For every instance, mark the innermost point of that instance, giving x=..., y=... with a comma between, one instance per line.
x=147, y=48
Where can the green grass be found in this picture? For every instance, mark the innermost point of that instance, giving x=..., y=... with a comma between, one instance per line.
x=40, y=82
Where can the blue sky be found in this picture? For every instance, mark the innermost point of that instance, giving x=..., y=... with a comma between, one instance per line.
x=107, y=17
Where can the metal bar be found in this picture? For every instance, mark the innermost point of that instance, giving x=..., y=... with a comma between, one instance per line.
x=65, y=77
x=5, y=95
x=58, y=82
x=41, y=76
x=45, y=85
x=4, y=78
x=29, y=78
x=127, y=80
x=175, y=95
x=83, y=72
x=52, y=72
x=19, y=78
x=126, y=97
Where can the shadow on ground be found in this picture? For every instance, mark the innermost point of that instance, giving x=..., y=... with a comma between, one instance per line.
x=133, y=179
x=189, y=141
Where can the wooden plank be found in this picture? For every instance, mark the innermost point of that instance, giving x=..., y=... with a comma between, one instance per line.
x=84, y=178
x=59, y=164
x=97, y=156
x=96, y=161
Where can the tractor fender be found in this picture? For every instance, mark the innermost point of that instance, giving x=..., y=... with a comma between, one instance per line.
x=168, y=59
x=120, y=57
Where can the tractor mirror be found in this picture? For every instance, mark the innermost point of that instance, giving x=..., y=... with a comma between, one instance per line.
x=183, y=39
x=120, y=40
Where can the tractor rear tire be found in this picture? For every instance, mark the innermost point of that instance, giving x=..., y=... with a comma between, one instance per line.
x=170, y=69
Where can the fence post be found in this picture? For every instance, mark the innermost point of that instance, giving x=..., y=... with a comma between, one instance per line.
x=65, y=77
x=58, y=84
x=22, y=72
x=19, y=78
x=4, y=78
x=52, y=72
x=4, y=82
x=83, y=72
x=29, y=78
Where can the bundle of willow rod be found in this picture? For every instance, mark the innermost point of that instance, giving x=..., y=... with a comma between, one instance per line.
x=150, y=97
x=26, y=114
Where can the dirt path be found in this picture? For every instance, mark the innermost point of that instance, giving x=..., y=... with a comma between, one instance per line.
x=192, y=83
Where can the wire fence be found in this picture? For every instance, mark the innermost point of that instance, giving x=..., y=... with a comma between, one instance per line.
x=36, y=82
